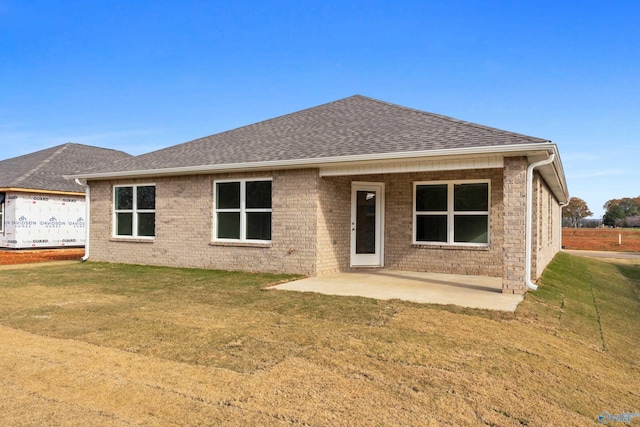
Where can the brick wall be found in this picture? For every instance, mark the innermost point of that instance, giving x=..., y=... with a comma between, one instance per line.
x=334, y=218
x=311, y=226
x=546, y=234
x=400, y=254
x=515, y=181
x=184, y=215
x=538, y=223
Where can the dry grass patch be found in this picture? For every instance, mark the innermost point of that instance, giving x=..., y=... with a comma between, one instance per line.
x=109, y=344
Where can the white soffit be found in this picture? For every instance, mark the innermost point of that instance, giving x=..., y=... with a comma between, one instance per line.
x=422, y=165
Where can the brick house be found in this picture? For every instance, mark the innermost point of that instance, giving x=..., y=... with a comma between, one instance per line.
x=355, y=183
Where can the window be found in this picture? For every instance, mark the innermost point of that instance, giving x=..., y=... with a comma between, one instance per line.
x=242, y=210
x=451, y=213
x=134, y=210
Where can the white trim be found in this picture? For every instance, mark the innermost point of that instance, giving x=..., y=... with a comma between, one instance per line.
x=376, y=259
x=451, y=213
x=242, y=210
x=554, y=174
x=420, y=165
x=134, y=211
x=87, y=198
x=516, y=149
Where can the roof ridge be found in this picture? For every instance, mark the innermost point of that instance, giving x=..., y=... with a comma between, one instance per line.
x=55, y=154
x=246, y=126
x=94, y=147
x=113, y=162
x=284, y=115
x=452, y=119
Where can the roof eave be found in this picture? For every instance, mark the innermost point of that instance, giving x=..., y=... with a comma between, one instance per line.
x=519, y=149
x=527, y=150
x=40, y=191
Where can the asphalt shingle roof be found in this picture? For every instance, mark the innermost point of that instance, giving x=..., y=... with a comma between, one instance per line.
x=356, y=125
x=44, y=170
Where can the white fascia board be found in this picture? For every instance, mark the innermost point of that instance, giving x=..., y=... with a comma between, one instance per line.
x=553, y=174
x=36, y=191
x=521, y=149
x=420, y=164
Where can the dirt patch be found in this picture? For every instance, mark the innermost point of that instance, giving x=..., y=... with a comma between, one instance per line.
x=24, y=256
x=601, y=239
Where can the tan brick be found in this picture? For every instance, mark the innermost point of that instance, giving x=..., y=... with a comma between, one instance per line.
x=184, y=218
x=400, y=253
x=311, y=225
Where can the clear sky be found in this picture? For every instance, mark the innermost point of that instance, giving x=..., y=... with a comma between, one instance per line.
x=140, y=75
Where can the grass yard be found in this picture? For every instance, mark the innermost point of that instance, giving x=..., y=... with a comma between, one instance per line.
x=116, y=345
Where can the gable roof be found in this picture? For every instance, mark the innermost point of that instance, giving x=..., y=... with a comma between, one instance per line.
x=44, y=170
x=353, y=126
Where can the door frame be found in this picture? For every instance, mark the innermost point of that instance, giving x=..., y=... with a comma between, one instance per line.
x=368, y=260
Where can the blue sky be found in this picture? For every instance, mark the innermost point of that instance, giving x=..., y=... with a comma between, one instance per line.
x=141, y=75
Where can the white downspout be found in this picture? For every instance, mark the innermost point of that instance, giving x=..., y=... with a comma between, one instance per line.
x=562, y=205
x=87, y=196
x=529, y=220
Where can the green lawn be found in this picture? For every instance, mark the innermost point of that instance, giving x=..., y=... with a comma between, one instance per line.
x=111, y=344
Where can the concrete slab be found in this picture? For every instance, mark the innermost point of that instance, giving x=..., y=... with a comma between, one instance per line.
x=466, y=291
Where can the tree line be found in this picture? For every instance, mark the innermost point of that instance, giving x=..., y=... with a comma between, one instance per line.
x=620, y=212
x=623, y=212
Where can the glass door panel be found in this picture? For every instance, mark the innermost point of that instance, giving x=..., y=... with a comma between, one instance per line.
x=365, y=222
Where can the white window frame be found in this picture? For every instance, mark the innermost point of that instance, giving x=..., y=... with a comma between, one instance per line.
x=2, y=217
x=243, y=210
x=451, y=213
x=134, y=211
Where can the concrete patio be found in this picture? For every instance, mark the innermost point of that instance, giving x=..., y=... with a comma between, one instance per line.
x=467, y=291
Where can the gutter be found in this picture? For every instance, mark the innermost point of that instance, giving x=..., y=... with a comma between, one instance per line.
x=87, y=197
x=357, y=159
x=529, y=220
x=522, y=149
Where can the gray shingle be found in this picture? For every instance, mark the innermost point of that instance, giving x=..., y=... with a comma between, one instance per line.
x=44, y=170
x=356, y=125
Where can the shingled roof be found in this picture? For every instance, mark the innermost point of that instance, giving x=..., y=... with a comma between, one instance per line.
x=349, y=127
x=44, y=170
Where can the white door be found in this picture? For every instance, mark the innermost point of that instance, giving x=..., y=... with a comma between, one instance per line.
x=367, y=224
